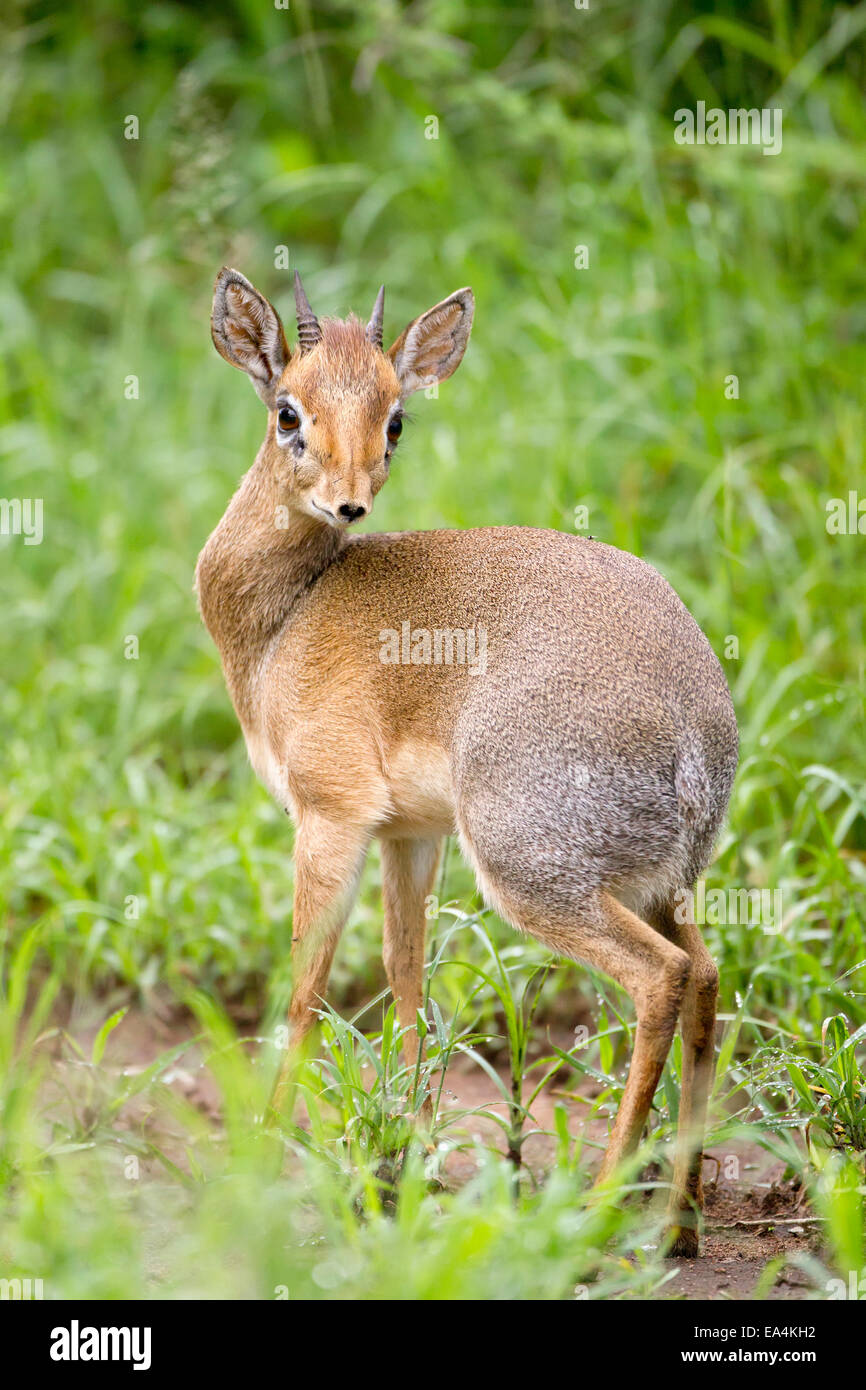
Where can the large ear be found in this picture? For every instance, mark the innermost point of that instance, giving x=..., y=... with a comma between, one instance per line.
x=432, y=346
x=247, y=332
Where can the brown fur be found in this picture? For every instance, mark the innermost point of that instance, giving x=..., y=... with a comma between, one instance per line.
x=585, y=770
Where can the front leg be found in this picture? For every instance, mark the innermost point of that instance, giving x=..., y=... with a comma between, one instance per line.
x=408, y=872
x=329, y=857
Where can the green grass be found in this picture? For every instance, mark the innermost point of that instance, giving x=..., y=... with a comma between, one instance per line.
x=135, y=839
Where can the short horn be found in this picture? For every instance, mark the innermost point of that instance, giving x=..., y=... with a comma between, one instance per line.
x=309, y=332
x=377, y=318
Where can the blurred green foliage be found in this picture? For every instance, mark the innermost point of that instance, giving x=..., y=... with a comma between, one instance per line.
x=135, y=839
x=603, y=387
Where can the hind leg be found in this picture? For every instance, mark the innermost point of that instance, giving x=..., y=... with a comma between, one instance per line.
x=698, y=1029
x=653, y=970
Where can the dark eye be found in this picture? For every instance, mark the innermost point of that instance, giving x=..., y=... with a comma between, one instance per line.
x=395, y=429
x=287, y=418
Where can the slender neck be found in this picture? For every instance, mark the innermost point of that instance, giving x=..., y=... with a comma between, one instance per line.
x=252, y=571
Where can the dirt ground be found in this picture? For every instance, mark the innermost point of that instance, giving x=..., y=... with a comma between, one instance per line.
x=750, y=1218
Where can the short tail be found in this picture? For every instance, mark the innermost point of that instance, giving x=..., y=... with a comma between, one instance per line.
x=692, y=785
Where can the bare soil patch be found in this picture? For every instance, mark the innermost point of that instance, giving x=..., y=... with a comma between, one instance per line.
x=750, y=1219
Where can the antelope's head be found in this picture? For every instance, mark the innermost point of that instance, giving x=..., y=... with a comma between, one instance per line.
x=335, y=403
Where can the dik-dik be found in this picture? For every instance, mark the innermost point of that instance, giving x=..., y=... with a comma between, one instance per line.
x=585, y=765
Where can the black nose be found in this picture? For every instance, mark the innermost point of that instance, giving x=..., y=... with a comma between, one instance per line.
x=350, y=511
